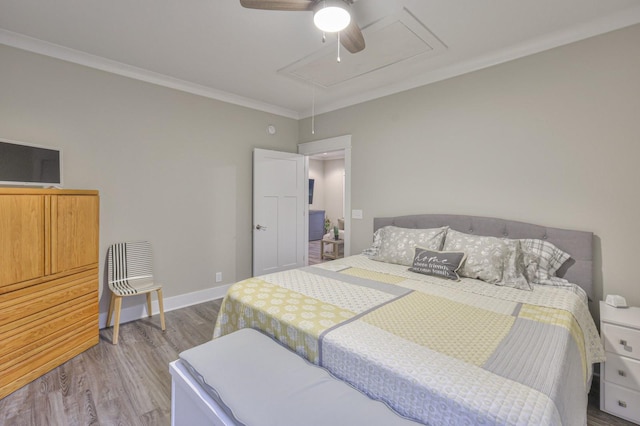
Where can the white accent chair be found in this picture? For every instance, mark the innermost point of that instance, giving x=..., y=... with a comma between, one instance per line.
x=130, y=273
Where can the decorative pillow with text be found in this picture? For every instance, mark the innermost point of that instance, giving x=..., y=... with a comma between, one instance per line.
x=443, y=264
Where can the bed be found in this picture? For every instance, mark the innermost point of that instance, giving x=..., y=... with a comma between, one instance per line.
x=440, y=351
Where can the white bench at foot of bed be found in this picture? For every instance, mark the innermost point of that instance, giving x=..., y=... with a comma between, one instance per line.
x=190, y=403
x=247, y=378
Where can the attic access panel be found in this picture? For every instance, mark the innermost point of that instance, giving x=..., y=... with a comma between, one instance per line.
x=389, y=41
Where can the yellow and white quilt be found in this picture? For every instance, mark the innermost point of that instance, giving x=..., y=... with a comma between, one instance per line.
x=434, y=350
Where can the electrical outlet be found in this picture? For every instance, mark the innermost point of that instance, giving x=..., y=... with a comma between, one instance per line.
x=218, y=277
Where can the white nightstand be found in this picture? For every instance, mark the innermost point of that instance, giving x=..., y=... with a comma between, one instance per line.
x=620, y=374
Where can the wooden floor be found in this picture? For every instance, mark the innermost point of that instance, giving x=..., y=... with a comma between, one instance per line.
x=126, y=384
x=314, y=253
x=129, y=384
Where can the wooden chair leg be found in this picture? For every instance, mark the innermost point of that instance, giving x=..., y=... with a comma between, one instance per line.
x=161, y=306
x=110, y=313
x=116, y=326
x=149, y=312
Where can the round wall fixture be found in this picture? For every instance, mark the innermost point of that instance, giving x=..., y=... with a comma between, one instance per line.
x=271, y=129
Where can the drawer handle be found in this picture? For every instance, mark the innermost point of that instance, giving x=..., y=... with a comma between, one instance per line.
x=621, y=373
x=622, y=404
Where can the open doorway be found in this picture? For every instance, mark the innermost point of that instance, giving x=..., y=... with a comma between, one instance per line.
x=336, y=178
x=326, y=174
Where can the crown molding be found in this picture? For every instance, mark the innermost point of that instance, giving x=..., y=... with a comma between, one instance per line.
x=56, y=51
x=576, y=33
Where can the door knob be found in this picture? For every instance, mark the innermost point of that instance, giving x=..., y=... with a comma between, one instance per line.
x=261, y=228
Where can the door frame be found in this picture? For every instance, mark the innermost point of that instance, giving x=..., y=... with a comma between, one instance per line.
x=318, y=147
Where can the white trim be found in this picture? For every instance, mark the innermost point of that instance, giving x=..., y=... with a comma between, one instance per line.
x=139, y=311
x=334, y=144
x=622, y=19
x=325, y=145
x=41, y=47
x=306, y=210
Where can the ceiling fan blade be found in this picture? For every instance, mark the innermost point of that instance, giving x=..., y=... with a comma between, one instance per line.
x=291, y=5
x=352, y=38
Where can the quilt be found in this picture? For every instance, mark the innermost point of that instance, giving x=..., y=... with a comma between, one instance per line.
x=435, y=351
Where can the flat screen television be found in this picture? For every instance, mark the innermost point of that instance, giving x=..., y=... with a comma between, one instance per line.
x=311, y=181
x=25, y=164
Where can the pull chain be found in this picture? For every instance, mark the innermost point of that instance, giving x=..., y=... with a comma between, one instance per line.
x=313, y=110
x=338, y=47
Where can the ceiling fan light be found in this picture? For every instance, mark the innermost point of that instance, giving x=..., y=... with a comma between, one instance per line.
x=331, y=16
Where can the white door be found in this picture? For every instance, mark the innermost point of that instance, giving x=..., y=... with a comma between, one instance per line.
x=278, y=211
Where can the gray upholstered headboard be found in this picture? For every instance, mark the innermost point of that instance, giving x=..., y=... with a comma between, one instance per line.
x=579, y=244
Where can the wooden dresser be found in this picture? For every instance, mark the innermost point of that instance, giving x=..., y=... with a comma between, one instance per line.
x=48, y=280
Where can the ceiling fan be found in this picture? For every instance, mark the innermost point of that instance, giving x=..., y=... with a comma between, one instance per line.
x=330, y=16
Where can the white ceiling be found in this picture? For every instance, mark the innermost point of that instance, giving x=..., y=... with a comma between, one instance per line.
x=264, y=59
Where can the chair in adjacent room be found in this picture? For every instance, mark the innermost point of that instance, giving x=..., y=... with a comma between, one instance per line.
x=130, y=273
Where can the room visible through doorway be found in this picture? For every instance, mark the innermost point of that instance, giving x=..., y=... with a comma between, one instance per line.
x=326, y=205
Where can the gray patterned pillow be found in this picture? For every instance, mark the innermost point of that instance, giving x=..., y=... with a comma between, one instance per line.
x=514, y=273
x=397, y=244
x=485, y=255
x=443, y=264
x=544, y=257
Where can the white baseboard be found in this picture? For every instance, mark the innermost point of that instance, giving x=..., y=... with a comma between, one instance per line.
x=170, y=303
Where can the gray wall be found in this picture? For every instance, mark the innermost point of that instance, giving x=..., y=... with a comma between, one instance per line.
x=171, y=167
x=316, y=172
x=552, y=139
x=333, y=197
x=328, y=187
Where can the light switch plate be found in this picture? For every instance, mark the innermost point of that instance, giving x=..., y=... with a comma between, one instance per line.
x=356, y=214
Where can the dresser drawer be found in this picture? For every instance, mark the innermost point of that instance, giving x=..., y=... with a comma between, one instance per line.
x=621, y=340
x=622, y=402
x=622, y=371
